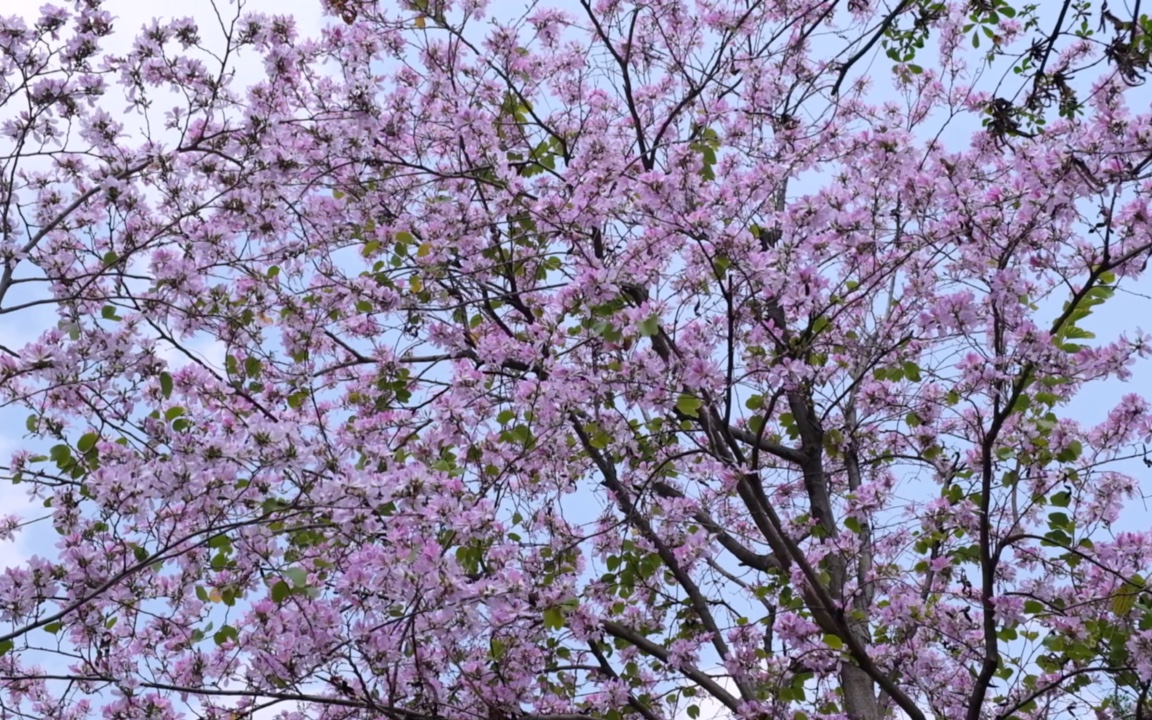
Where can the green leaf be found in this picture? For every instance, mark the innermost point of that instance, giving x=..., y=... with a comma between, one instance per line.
x=53, y=627
x=598, y=438
x=280, y=592
x=912, y=371
x=833, y=641
x=252, y=367
x=721, y=265
x=87, y=441
x=689, y=405
x=165, y=385
x=225, y=634
x=553, y=618
x=1125, y=599
x=755, y=424
x=1071, y=452
x=650, y=326
x=755, y=402
x=298, y=576
x=6, y=646
x=62, y=456
x=296, y=399
x=496, y=648
x=108, y=312
x=1123, y=602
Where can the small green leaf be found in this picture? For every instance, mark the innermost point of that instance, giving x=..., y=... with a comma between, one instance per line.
x=165, y=385
x=497, y=648
x=912, y=371
x=280, y=592
x=296, y=399
x=298, y=576
x=689, y=405
x=650, y=325
x=53, y=627
x=225, y=634
x=61, y=455
x=1071, y=452
x=721, y=264
x=252, y=367
x=553, y=618
x=833, y=641
x=87, y=441
x=1122, y=603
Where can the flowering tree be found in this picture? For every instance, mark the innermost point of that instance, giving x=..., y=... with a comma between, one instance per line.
x=592, y=363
